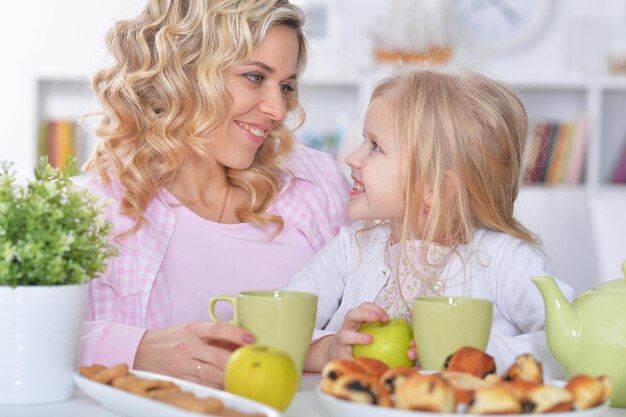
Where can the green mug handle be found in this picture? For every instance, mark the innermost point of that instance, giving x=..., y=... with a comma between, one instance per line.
x=229, y=299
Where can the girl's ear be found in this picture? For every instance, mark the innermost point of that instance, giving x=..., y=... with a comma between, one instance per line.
x=428, y=197
x=450, y=184
x=449, y=188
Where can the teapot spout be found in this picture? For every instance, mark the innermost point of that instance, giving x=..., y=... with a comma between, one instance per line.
x=561, y=321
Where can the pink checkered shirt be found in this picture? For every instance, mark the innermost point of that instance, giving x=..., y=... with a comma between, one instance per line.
x=129, y=299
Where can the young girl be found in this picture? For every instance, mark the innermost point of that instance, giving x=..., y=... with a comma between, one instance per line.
x=439, y=172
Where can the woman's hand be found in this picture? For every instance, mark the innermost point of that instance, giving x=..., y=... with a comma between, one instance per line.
x=341, y=345
x=196, y=351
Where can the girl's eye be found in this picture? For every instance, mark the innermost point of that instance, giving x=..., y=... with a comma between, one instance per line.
x=255, y=78
x=375, y=147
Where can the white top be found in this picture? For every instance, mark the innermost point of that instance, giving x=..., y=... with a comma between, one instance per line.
x=495, y=266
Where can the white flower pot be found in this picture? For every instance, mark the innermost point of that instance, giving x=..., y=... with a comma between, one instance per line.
x=39, y=341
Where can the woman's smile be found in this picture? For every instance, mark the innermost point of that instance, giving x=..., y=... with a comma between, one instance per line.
x=255, y=133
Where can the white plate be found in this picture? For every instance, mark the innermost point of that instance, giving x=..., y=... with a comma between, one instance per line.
x=134, y=405
x=342, y=408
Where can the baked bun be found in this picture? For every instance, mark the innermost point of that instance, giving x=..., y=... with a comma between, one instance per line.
x=471, y=361
x=393, y=377
x=549, y=399
x=494, y=400
x=525, y=368
x=464, y=385
x=587, y=391
x=426, y=393
x=520, y=389
x=337, y=368
x=360, y=388
x=372, y=367
x=608, y=388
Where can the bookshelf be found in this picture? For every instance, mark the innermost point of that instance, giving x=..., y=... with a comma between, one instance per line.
x=335, y=109
x=563, y=215
x=572, y=220
x=63, y=128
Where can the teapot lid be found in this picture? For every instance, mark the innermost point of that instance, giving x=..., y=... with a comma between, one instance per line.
x=617, y=286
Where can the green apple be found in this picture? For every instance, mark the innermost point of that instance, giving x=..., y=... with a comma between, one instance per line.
x=262, y=374
x=390, y=342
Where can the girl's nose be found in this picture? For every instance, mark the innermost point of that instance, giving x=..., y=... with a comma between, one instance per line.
x=353, y=160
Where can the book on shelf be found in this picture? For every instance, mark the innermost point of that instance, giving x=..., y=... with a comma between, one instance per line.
x=620, y=171
x=57, y=140
x=556, y=152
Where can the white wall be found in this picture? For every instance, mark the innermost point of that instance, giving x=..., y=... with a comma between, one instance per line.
x=61, y=39
x=64, y=39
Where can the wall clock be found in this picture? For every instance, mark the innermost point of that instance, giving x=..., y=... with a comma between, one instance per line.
x=500, y=25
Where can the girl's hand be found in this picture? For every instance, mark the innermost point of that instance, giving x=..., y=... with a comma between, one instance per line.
x=196, y=351
x=341, y=345
x=412, y=353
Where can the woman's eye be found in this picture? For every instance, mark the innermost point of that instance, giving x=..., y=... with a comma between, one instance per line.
x=375, y=147
x=286, y=88
x=255, y=78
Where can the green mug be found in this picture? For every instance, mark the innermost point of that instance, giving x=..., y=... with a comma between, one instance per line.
x=280, y=319
x=443, y=324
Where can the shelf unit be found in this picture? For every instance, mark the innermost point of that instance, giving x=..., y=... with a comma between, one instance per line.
x=561, y=215
x=571, y=219
x=602, y=101
x=335, y=106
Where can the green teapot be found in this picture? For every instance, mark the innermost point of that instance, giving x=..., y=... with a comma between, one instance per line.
x=588, y=336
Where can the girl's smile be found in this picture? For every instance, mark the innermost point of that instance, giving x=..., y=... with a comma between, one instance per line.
x=357, y=188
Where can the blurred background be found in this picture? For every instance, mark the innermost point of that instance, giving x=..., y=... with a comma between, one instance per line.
x=566, y=58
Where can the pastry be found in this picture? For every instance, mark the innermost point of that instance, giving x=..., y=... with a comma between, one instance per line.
x=426, y=393
x=464, y=385
x=608, y=388
x=587, y=391
x=549, y=399
x=494, y=400
x=471, y=361
x=360, y=388
x=336, y=368
x=90, y=371
x=525, y=368
x=520, y=389
x=160, y=390
x=392, y=377
x=107, y=375
x=371, y=366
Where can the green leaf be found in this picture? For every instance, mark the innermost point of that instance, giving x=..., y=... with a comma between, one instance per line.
x=51, y=231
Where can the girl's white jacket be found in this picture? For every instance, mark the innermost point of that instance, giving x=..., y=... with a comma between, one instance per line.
x=351, y=269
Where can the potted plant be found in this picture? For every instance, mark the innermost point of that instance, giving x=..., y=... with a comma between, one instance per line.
x=52, y=242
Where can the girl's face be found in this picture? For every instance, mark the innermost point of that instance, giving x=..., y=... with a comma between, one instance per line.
x=377, y=193
x=259, y=90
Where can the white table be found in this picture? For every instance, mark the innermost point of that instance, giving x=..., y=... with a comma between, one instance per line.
x=304, y=404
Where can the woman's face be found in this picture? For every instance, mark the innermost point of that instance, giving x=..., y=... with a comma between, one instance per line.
x=259, y=89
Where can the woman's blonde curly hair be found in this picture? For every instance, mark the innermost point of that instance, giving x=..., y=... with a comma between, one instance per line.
x=166, y=90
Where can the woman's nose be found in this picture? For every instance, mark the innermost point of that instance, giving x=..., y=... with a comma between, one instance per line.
x=274, y=104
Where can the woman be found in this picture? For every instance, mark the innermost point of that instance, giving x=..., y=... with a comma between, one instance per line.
x=209, y=195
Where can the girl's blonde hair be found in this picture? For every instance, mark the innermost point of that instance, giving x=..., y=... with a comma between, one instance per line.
x=462, y=137
x=166, y=90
